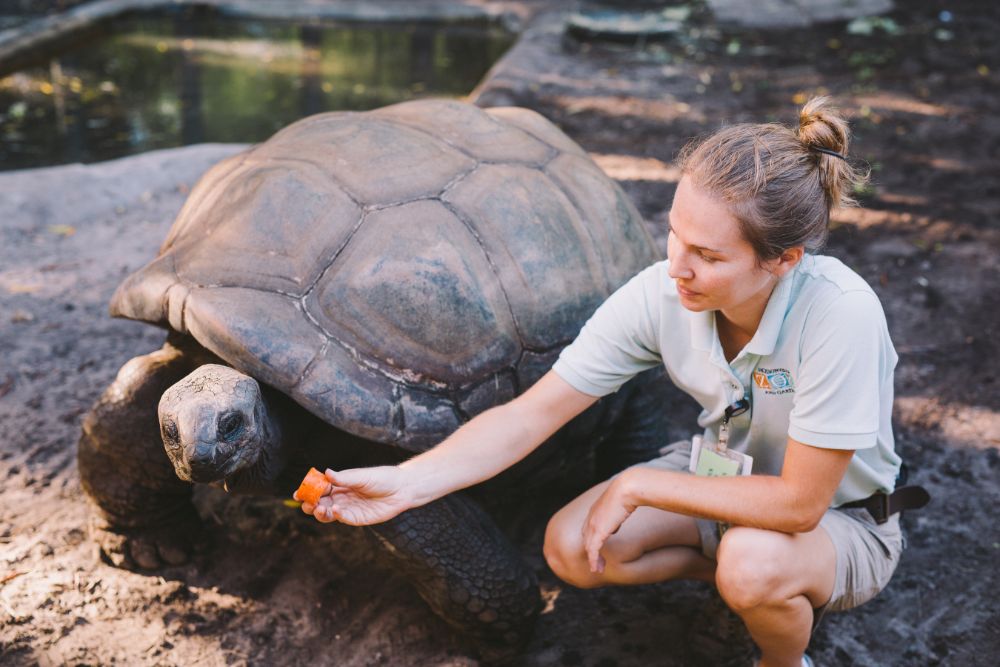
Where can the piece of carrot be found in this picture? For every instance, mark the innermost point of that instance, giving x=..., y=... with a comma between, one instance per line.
x=314, y=485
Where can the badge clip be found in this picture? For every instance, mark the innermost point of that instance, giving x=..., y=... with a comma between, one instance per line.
x=717, y=460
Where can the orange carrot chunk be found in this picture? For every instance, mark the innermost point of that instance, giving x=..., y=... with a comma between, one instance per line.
x=313, y=486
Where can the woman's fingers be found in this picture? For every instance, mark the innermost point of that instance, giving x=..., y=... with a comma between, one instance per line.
x=324, y=511
x=377, y=481
x=357, y=478
x=605, y=517
x=352, y=514
x=597, y=564
x=593, y=543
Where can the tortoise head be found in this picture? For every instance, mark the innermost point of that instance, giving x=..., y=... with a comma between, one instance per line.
x=215, y=426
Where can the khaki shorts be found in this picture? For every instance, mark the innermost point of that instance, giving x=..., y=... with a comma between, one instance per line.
x=867, y=553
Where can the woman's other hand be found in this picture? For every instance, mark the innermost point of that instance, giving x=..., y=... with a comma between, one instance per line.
x=606, y=516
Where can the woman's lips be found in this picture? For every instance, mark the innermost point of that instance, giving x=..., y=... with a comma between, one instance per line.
x=683, y=291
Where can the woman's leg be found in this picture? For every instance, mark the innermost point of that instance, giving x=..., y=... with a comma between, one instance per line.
x=773, y=581
x=652, y=545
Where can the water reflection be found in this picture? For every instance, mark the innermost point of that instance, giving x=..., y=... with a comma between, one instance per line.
x=153, y=83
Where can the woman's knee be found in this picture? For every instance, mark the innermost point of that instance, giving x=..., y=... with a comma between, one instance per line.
x=563, y=551
x=750, y=566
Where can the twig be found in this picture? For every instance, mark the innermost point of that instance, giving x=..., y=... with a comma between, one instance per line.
x=12, y=575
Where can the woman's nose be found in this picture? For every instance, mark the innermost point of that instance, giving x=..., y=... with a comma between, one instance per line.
x=679, y=268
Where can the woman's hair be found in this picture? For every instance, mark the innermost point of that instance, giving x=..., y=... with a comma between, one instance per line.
x=777, y=182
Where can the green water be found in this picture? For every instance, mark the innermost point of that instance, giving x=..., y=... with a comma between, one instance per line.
x=150, y=83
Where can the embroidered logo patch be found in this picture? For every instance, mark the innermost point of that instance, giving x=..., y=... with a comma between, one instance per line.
x=774, y=380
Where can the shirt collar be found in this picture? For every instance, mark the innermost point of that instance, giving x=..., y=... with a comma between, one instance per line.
x=766, y=337
x=704, y=337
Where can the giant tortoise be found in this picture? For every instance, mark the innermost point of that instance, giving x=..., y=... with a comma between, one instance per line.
x=349, y=292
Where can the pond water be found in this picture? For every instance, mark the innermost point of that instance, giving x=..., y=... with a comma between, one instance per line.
x=147, y=83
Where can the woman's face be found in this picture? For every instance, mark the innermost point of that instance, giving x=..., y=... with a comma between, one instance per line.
x=714, y=267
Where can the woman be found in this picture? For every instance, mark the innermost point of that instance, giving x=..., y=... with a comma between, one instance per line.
x=788, y=354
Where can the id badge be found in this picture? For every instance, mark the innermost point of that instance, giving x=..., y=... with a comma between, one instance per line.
x=709, y=461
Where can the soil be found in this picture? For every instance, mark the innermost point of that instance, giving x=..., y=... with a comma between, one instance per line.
x=274, y=588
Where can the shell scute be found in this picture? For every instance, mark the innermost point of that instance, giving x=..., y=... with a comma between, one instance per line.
x=470, y=130
x=273, y=229
x=619, y=236
x=541, y=248
x=378, y=161
x=497, y=388
x=189, y=222
x=414, y=290
x=426, y=417
x=261, y=333
x=360, y=400
x=538, y=126
x=534, y=365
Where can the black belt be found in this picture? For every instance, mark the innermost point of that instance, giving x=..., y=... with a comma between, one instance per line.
x=883, y=505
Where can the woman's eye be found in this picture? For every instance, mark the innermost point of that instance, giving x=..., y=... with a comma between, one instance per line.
x=708, y=259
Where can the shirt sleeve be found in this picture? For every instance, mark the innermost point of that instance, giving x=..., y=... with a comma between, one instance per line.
x=618, y=342
x=846, y=356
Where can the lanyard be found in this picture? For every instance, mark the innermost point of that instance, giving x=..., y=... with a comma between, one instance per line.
x=734, y=410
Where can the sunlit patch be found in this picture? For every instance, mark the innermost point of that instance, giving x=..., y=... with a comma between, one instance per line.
x=549, y=596
x=864, y=218
x=904, y=199
x=885, y=101
x=636, y=168
x=662, y=110
x=961, y=425
x=942, y=163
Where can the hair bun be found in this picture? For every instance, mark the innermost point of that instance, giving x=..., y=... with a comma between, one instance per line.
x=822, y=126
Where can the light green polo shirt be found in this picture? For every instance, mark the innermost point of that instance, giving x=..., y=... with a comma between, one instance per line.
x=818, y=369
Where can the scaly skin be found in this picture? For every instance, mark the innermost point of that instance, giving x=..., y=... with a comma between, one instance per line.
x=467, y=570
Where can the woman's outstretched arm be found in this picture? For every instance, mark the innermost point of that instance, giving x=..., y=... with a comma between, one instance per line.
x=483, y=447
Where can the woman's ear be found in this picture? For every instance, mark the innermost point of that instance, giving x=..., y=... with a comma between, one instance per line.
x=788, y=260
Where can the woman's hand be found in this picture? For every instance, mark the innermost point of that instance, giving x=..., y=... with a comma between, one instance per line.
x=362, y=496
x=606, y=516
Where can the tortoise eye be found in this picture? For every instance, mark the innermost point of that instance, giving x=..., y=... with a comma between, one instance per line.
x=229, y=425
x=170, y=431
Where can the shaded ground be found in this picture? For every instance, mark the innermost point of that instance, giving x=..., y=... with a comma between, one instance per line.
x=275, y=588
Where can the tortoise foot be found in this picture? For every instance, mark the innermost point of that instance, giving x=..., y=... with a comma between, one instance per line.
x=146, y=548
x=462, y=565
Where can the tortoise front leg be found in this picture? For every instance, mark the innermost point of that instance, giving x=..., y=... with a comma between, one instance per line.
x=143, y=515
x=468, y=572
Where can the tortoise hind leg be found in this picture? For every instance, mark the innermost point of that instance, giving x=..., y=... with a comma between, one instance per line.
x=142, y=513
x=468, y=572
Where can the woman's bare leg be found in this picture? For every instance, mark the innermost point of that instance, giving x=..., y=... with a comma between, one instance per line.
x=652, y=545
x=773, y=581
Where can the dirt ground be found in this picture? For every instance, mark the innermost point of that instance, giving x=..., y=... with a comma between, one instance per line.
x=274, y=588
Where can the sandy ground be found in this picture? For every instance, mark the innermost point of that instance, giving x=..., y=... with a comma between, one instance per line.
x=273, y=588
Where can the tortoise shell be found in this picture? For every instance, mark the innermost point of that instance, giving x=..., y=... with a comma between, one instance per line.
x=395, y=271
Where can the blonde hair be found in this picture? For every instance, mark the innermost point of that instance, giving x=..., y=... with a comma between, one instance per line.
x=777, y=184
